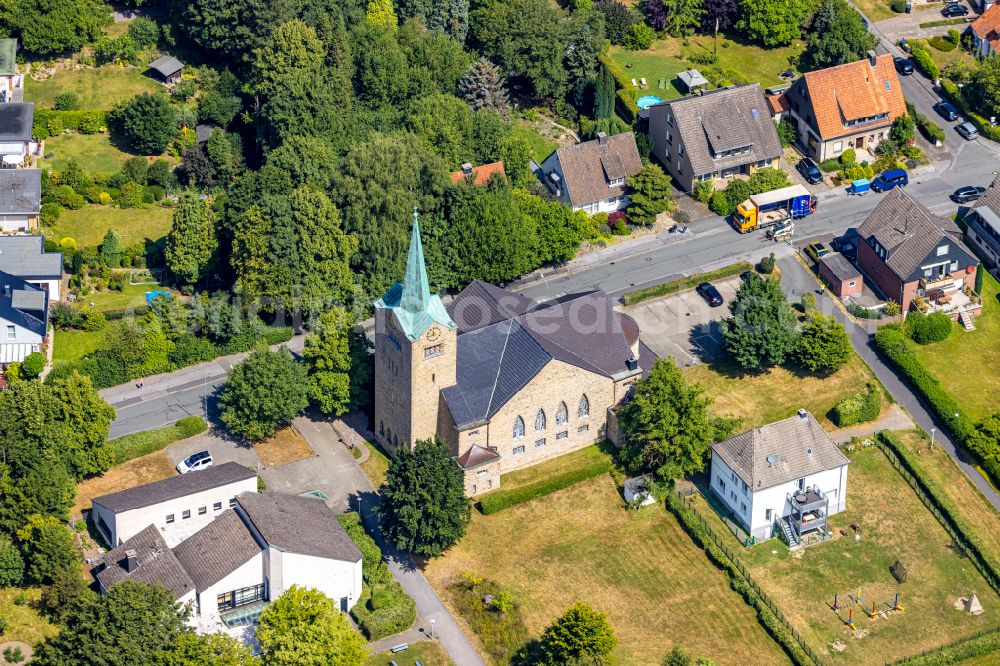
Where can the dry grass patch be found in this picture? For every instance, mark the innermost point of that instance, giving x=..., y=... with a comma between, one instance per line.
x=377, y=465
x=23, y=621
x=146, y=469
x=286, y=446
x=640, y=568
x=894, y=525
x=778, y=393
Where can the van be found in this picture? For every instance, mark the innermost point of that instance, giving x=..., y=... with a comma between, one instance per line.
x=890, y=179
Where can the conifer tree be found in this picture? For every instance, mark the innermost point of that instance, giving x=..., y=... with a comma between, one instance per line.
x=483, y=87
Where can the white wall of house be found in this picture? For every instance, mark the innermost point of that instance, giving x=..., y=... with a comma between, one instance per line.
x=16, y=342
x=334, y=578
x=124, y=525
x=608, y=205
x=11, y=222
x=752, y=507
x=246, y=575
x=50, y=286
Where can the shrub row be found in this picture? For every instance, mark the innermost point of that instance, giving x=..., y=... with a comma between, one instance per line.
x=951, y=92
x=980, y=645
x=627, y=94
x=925, y=63
x=47, y=122
x=931, y=131
x=860, y=407
x=640, y=295
x=893, y=344
x=948, y=512
x=504, y=499
x=129, y=447
x=775, y=627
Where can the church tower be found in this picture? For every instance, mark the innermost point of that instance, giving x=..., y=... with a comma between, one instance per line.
x=415, y=355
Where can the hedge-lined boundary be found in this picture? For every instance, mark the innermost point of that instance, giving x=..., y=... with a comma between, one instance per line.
x=950, y=91
x=84, y=121
x=640, y=295
x=981, y=644
x=768, y=614
x=929, y=492
x=504, y=499
x=627, y=94
x=136, y=445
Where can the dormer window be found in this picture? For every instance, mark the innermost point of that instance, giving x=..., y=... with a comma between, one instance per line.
x=942, y=250
x=616, y=182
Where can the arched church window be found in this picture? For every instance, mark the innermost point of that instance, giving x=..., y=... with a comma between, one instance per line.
x=518, y=427
x=584, y=408
x=540, y=421
x=562, y=414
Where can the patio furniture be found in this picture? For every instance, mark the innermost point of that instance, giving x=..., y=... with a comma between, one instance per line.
x=634, y=84
x=643, y=82
x=662, y=84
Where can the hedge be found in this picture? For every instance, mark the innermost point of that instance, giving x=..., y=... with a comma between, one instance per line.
x=930, y=129
x=925, y=63
x=504, y=499
x=640, y=295
x=951, y=92
x=385, y=611
x=129, y=447
x=627, y=94
x=83, y=120
x=987, y=642
x=860, y=407
x=928, y=329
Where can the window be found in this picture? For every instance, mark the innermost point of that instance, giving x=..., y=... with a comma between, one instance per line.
x=767, y=515
x=722, y=484
x=232, y=503
x=888, y=86
x=539, y=443
x=240, y=597
x=732, y=495
x=518, y=450
x=540, y=421
x=217, y=506
x=432, y=351
x=583, y=428
x=680, y=168
x=518, y=427
x=838, y=146
x=953, y=267
x=743, y=507
x=170, y=518
x=851, y=283
x=802, y=484
x=733, y=474
x=753, y=112
x=943, y=250
x=583, y=409
x=746, y=488
x=562, y=414
x=562, y=435
x=615, y=182
x=202, y=510
x=670, y=119
x=680, y=150
x=186, y=514
x=670, y=137
x=10, y=332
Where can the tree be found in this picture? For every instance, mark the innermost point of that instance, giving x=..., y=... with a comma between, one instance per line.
x=293, y=47
x=133, y=623
x=788, y=133
x=649, y=194
x=409, y=520
x=581, y=635
x=604, y=94
x=434, y=55
x=985, y=438
x=302, y=627
x=767, y=179
x=147, y=122
x=382, y=14
x=772, y=22
x=266, y=389
x=191, y=243
x=677, y=657
x=362, y=368
x=559, y=227
x=655, y=12
x=666, y=424
x=983, y=90
x=723, y=13
x=445, y=123
x=824, y=345
x=66, y=589
x=328, y=357
x=308, y=160
x=48, y=547
x=231, y=29
x=11, y=564
x=618, y=20
x=447, y=16
x=761, y=331
x=111, y=249
x=903, y=130
x=57, y=26
x=213, y=649
x=838, y=35
x=483, y=87
x=682, y=16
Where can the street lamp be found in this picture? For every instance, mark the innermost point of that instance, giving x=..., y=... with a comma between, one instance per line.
x=432, y=627
x=932, y=439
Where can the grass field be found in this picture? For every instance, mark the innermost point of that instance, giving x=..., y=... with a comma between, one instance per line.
x=640, y=568
x=23, y=622
x=376, y=466
x=968, y=362
x=541, y=147
x=148, y=468
x=71, y=345
x=89, y=224
x=97, y=88
x=875, y=10
x=286, y=446
x=666, y=59
x=132, y=296
x=430, y=653
x=564, y=463
x=894, y=525
x=778, y=393
x=94, y=152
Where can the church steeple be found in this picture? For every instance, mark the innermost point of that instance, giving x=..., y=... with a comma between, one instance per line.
x=416, y=291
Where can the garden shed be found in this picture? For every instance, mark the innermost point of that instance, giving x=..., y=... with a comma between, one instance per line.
x=843, y=277
x=167, y=68
x=636, y=490
x=692, y=80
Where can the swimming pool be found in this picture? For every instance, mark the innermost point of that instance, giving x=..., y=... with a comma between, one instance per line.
x=647, y=101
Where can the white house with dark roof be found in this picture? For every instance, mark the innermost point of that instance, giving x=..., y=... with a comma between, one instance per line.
x=983, y=225
x=25, y=257
x=16, y=122
x=590, y=176
x=23, y=318
x=787, y=475
x=20, y=200
x=11, y=83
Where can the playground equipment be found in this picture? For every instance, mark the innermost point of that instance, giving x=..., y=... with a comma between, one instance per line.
x=891, y=604
x=848, y=600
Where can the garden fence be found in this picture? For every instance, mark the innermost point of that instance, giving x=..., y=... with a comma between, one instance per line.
x=942, y=650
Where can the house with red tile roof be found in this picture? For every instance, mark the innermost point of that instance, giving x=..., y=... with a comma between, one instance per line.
x=850, y=106
x=986, y=32
x=479, y=175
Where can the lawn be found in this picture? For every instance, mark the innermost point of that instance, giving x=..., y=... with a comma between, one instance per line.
x=94, y=152
x=377, y=465
x=894, y=525
x=778, y=393
x=665, y=60
x=133, y=295
x=71, y=345
x=97, y=88
x=640, y=568
x=286, y=446
x=875, y=10
x=541, y=147
x=23, y=622
x=569, y=462
x=430, y=653
x=971, y=354
x=89, y=224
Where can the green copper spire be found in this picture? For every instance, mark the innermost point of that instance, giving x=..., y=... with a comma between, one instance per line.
x=416, y=292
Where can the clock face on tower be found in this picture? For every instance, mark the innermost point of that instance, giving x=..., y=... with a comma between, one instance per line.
x=434, y=333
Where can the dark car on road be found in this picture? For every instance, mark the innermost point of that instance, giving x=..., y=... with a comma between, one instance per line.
x=966, y=194
x=809, y=171
x=711, y=295
x=903, y=66
x=953, y=11
x=846, y=247
x=946, y=110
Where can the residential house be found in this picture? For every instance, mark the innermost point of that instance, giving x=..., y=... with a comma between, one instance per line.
x=167, y=68
x=778, y=104
x=986, y=32
x=16, y=119
x=841, y=275
x=590, y=176
x=786, y=476
x=479, y=175
x=983, y=225
x=910, y=253
x=20, y=200
x=247, y=556
x=11, y=83
x=850, y=106
x=717, y=134
x=23, y=318
x=176, y=506
x=25, y=257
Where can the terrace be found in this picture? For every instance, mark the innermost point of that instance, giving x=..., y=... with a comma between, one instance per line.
x=810, y=508
x=944, y=294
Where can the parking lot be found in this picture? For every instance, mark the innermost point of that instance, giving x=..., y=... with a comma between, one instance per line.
x=683, y=325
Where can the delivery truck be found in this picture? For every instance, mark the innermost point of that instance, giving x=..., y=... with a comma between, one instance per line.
x=770, y=208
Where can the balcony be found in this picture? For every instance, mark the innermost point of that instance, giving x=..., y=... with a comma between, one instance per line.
x=942, y=296
x=810, y=508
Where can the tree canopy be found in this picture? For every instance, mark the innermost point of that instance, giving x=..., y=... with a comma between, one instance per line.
x=147, y=122
x=838, y=35
x=191, y=242
x=265, y=390
x=772, y=22
x=824, y=345
x=761, y=331
x=581, y=635
x=303, y=627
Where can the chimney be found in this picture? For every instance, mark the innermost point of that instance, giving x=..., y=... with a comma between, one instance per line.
x=871, y=58
x=467, y=169
x=131, y=561
x=632, y=363
x=602, y=138
x=803, y=413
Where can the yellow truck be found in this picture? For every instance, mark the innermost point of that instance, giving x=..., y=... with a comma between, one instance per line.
x=770, y=208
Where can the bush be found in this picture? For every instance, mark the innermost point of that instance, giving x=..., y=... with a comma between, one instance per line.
x=703, y=191
x=640, y=38
x=928, y=329
x=849, y=156
x=67, y=101
x=829, y=165
x=50, y=213
x=94, y=321
x=891, y=308
x=942, y=43
x=640, y=295
x=33, y=364
x=719, y=203
x=860, y=407
x=92, y=122
x=65, y=316
x=389, y=611
x=925, y=63
x=766, y=265
x=189, y=426
x=71, y=120
x=898, y=6
x=190, y=349
x=931, y=131
x=788, y=133
x=504, y=499
x=144, y=31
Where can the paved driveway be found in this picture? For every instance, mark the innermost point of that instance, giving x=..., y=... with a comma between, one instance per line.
x=907, y=26
x=683, y=325
x=223, y=450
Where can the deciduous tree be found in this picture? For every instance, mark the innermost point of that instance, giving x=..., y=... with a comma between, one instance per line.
x=212, y=649
x=983, y=90
x=772, y=22
x=191, y=243
x=11, y=564
x=382, y=14
x=302, y=627
x=55, y=26
x=265, y=390
x=761, y=331
x=838, y=35
x=48, y=547
x=682, y=16
x=328, y=357
x=447, y=16
x=618, y=20
x=147, y=123
x=581, y=635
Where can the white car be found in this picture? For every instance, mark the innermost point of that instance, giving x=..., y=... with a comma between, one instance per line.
x=200, y=460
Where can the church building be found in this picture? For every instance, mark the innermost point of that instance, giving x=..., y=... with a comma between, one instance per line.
x=504, y=381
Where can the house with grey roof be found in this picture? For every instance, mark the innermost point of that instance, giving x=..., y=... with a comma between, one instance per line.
x=590, y=176
x=911, y=253
x=714, y=135
x=11, y=83
x=786, y=478
x=983, y=225
x=25, y=257
x=244, y=558
x=20, y=200
x=16, y=121
x=23, y=318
